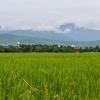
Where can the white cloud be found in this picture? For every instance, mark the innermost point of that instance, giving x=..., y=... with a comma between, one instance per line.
x=51, y=28
x=62, y=32
x=49, y=13
x=44, y=28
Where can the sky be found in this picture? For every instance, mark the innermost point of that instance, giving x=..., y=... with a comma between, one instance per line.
x=49, y=14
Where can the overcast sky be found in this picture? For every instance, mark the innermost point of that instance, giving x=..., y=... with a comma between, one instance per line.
x=47, y=14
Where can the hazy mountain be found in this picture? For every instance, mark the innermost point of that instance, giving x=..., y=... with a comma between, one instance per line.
x=67, y=34
x=50, y=35
x=74, y=33
x=81, y=33
x=9, y=39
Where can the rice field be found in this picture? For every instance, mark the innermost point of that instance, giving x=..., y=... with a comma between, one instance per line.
x=50, y=76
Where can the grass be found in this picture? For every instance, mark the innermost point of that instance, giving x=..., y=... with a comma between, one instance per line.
x=50, y=76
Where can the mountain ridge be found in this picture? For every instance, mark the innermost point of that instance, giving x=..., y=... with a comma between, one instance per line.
x=75, y=35
x=7, y=39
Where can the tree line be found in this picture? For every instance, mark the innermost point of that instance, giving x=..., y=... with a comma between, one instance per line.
x=47, y=48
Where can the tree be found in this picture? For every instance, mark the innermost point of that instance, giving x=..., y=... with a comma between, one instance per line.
x=2, y=49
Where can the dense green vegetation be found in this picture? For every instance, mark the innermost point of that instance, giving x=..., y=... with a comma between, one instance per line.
x=47, y=48
x=50, y=76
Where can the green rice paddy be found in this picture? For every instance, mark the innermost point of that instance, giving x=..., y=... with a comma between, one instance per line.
x=50, y=76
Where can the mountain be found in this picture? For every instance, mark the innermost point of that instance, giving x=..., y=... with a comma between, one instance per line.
x=9, y=39
x=81, y=33
x=66, y=34
x=50, y=35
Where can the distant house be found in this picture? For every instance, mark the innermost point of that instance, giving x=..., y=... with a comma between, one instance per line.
x=18, y=44
x=73, y=46
x=59, y=45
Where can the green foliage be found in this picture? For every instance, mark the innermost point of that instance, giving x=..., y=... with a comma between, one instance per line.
x=2, y=49
x=47, y=48
x=37, y=48
x=50, y=76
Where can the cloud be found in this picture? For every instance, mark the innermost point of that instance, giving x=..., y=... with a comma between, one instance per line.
x=48, y=14
x=51, y=28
